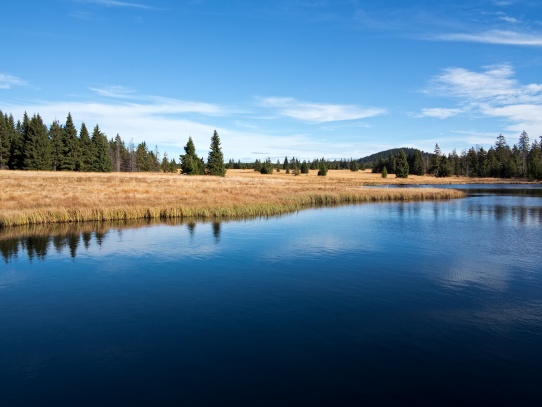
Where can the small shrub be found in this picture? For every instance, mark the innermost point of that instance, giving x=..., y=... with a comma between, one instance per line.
x=322, y=172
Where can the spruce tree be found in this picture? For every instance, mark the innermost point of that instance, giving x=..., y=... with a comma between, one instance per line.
x=16, y=148
x=101, y=160
x=190, y=162
x=87, y=150
x=418, y=167
x=354, y=167
x=215, y=161
x=70, y=149
x=304, y=167
x=384, y=172
x=267, y=167
x=443, y=167
x=435, y=160
x=142, y=161
x=524, y=146
x=286, y=165
x=401, y=165
x=56, y=133
x=38, y=152
x=5, y=141
x=322, y=172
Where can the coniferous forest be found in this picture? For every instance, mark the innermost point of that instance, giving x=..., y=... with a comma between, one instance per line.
x=32, y=145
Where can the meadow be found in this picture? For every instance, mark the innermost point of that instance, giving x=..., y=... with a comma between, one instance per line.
x=33, y=197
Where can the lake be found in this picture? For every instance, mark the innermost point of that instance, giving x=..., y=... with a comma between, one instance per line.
x=427, y=303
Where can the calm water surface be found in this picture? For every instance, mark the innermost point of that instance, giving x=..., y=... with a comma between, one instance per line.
x=426, y=303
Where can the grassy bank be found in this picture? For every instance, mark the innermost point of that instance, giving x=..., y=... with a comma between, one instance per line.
x=52, y=197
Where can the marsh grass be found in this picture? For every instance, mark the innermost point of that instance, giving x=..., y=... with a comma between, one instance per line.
x=32, y=198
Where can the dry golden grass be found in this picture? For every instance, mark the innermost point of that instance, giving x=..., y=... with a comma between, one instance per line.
x=50, y=197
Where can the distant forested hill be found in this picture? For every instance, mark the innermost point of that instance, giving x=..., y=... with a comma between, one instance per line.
x=370, y=159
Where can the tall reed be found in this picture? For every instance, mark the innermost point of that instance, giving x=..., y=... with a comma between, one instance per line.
x=28, y=198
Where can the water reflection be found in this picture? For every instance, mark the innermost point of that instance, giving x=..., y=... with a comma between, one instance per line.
x=517, y=214
x=37, y=240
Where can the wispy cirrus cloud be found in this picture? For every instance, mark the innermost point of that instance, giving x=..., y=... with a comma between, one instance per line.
x=439, y=112
x=117, y=3
x=318, y=112
x=494, y=92
x=8, y=81
x=503, y=37
x=496, y=84
x=159, y=105
x=115, y=91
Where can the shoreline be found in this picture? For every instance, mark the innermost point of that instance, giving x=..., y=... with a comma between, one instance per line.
x=39, y=198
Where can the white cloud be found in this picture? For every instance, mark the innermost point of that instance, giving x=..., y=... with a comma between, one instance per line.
x=494, y=92
x=439, y=112
x=508, y=19
x=116, y=3
x=115, y=91
x=319, y=112
x=502, y=37
x=8, y=81
x=496, y=85
x=168, y=123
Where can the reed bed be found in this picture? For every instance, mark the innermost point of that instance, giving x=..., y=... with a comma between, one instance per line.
x=34, y=198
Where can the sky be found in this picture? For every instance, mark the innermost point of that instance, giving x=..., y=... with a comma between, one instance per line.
x=276, y=78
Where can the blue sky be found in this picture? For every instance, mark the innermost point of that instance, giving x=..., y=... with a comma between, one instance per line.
x=303, y=78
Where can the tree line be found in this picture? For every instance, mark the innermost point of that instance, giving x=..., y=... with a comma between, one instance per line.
x=522, y=160
x=31, y=145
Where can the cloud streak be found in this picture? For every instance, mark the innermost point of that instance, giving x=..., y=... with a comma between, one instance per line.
x=8, y=81
x=494, y=92
x=439, y=112
x=168, y=123
x=116, y=3
x=318, y=112
x=501, y=37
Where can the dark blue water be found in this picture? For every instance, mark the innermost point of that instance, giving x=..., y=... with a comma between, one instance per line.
x=381, y=304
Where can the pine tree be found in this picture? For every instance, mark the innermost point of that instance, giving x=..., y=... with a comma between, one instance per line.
x=142, y=157
x=267, y=167
x=56, y=133
x=401, y=165
x=296, y=169
x=286, y=165
x=322, y=171
x=5, y=140
x=524, y=147
x=354, y=165
x=304, y=167
x=435, y=160
x=101, y=161
x=215, y=161
x=503, y=153
x=384, y=172
x=70, y=149
x=16, y=148
x=392, y=167
x=38, y=152
x=87, y=150
x=190, y=162
x=118, y=153
x=443, y=167
x=534, y=161
x=418, y=167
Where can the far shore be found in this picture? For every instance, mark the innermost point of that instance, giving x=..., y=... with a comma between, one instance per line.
x=30, y=197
